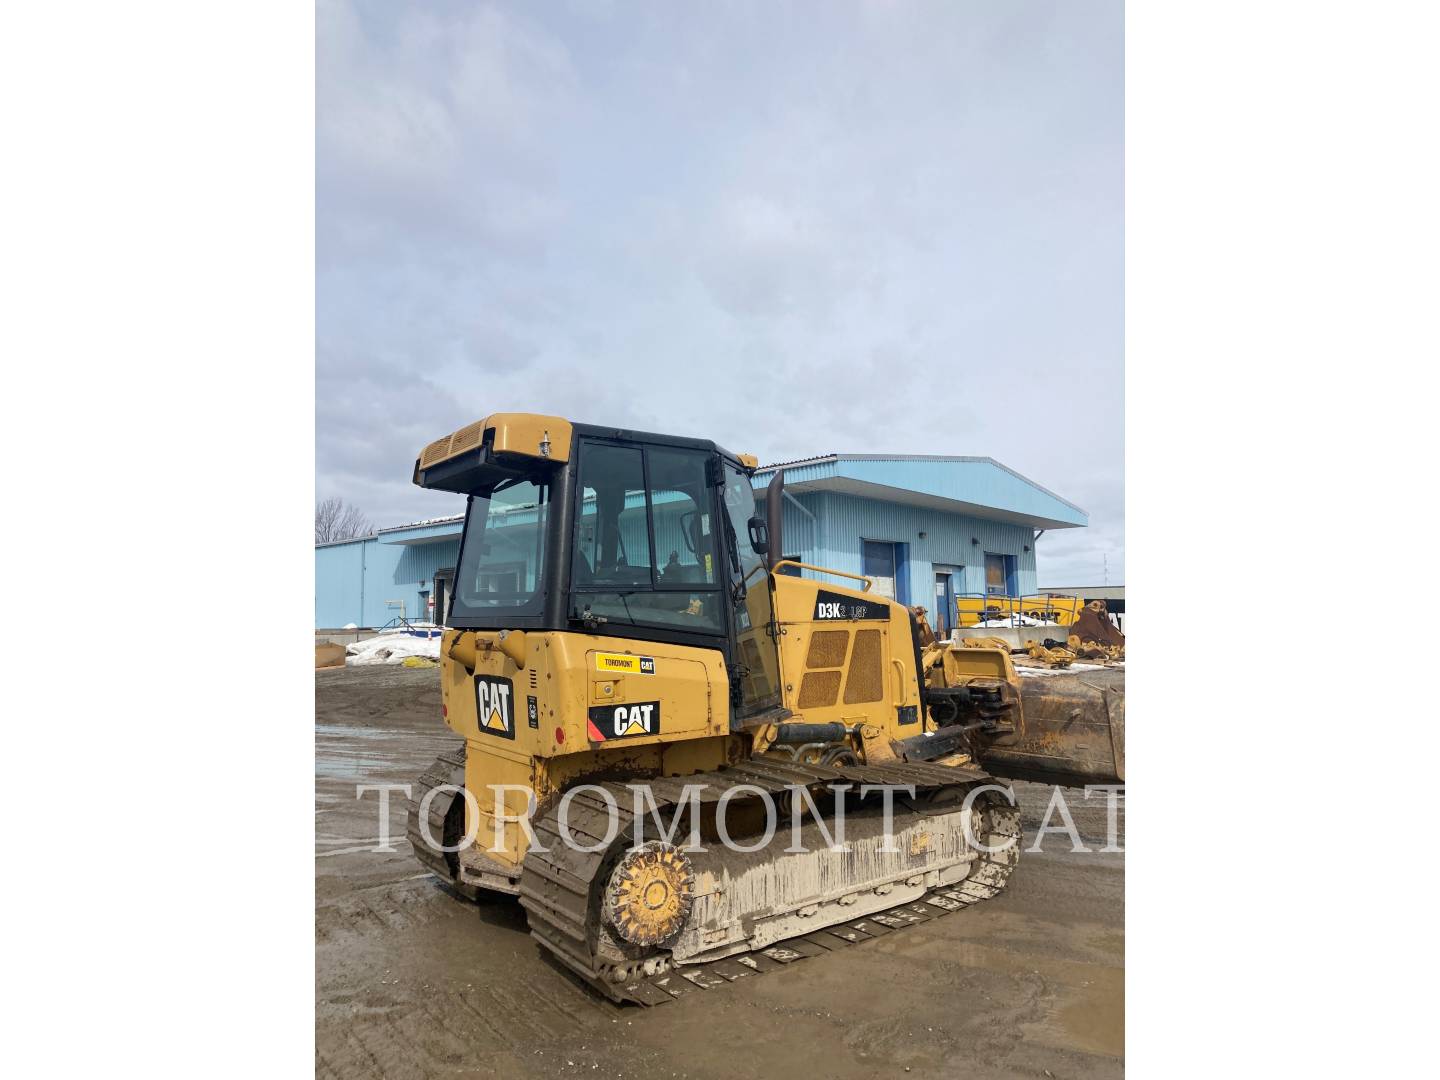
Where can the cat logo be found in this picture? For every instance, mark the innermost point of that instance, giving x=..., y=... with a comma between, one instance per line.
x=624, y=721
x=494, y=710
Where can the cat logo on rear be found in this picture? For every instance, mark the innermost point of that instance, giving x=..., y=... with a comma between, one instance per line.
x=494, y=708
x=624, y=721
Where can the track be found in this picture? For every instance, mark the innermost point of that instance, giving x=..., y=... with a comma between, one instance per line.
x=447, y=821
x=560, y=888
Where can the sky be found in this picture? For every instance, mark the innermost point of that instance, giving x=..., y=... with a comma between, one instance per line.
x=793, y=228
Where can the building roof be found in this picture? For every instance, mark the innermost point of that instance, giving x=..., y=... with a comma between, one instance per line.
x=429, y=531
x=979, y=486
x=424, y=532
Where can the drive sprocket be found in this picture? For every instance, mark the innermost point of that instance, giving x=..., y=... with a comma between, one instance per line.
x=650, y=893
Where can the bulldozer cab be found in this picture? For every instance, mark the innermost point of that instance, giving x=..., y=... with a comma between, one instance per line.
x=570, y=527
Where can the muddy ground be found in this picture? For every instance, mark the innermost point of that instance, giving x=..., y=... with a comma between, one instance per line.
x=411, y=982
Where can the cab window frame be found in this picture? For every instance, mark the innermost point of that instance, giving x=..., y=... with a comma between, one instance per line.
x=709, y=504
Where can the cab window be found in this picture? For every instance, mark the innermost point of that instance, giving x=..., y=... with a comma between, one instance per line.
x=645, y=539
x=502, y=559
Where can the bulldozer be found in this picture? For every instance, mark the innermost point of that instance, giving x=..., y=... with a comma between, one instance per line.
x=626, y=644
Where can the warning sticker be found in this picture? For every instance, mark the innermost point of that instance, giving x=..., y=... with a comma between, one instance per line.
x=625, y=663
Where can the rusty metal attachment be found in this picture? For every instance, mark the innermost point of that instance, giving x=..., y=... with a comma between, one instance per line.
x=1054, y=726
x=1056, y=657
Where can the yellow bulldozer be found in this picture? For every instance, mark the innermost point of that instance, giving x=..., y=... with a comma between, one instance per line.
x=627, y=647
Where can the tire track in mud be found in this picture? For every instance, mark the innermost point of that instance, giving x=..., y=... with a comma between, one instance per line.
x=415, y=1038
x=500, y=1032
x=589, y=1012
x=478, y=1028
x=413, y=901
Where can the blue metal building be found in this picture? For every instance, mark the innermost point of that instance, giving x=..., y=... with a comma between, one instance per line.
x=926, y=528
x=371, y=580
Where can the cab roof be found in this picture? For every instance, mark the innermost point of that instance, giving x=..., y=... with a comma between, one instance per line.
x=515, y=442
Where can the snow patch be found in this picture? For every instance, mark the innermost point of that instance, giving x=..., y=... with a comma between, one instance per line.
x=391, y=649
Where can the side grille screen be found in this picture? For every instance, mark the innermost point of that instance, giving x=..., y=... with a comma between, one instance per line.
x=866, y=681
x=819, y=689
x=827, y=648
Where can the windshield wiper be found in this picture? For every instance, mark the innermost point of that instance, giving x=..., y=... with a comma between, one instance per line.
x=592, y=621
x=738, y=591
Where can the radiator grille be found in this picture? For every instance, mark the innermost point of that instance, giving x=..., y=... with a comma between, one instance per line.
x=866, y=681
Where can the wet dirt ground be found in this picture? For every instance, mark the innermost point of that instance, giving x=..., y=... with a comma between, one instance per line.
x=411, y=982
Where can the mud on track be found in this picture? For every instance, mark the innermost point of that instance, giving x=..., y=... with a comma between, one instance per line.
x=411, y=982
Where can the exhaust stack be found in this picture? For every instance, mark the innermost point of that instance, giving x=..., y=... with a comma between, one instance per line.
x=774, y=513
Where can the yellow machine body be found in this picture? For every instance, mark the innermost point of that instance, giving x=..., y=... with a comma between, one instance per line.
x=846, y=671
x=531, y=435
x=582, y=708
x=587, y=708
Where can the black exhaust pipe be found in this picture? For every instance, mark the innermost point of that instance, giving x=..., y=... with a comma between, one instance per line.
x=774, y=510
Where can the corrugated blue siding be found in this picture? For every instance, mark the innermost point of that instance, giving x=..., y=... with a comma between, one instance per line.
x=338, y=576
x=353, y=581
x=669, y=536
x=843, y=521
x=801, y=533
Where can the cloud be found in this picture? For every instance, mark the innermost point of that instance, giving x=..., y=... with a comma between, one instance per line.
x=898, y=228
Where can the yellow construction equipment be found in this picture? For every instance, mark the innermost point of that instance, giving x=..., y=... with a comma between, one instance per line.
x=626, y=644
x=1063, y=728
x=1051, y=656
x=1061, y=610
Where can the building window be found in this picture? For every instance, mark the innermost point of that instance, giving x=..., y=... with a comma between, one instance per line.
x=999, y=574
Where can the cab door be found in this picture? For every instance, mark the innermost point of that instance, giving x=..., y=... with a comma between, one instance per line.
x=753, y=614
